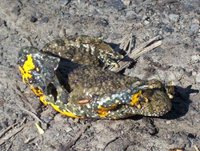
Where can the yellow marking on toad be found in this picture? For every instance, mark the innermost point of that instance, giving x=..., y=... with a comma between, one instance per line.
x=40, y=94
x=135, y=98
x=64, y=112
x=27, y=68
x=42, y=98
x=103, y=111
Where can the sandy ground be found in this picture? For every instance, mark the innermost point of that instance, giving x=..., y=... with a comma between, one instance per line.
x=36, y=22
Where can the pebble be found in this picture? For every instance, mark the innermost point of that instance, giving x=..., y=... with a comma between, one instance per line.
x=195, y=58
x=168, y=29
x=102, y=22
x=116, y=4
x=45, y=20
x=198, y=78
x=194, y=28
x=174, y=17
x=146, y=22
x=126, y=2
x=168, y=122
x=33, y=19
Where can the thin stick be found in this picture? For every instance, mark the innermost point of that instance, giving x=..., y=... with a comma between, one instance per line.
x=137, y=52
x=196, y=148
x=14, y=132
x=145, y=50
x=144, y=45
x=31, y=114
x=8, y=128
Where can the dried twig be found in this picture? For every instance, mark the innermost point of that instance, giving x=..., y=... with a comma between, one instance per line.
x=14, y=132
x=8, y=128
x=30, y=113
x=137, y=52
x=128, y=43
x=196, y=148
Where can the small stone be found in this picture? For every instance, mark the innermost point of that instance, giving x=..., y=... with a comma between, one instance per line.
x=146, y=22
x=168, y=122
x=198, y=78
x=195, y=58
x=194, y=73
x=194, y=28
x=118, y=5
x=168, y=29
x=102, y=22
x=45, y=20
x=33, y=19
x=174, y=17
x=192, y=136
x=126, y=2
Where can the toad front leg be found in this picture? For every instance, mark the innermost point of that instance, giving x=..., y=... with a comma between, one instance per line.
x=38, y=71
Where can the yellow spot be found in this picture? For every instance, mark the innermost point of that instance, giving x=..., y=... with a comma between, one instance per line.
x=135, y=98
x=63, y=112
x=40, y=94
x=27, y=68
x=103, y=111
x=42, y=98
x=36, y=91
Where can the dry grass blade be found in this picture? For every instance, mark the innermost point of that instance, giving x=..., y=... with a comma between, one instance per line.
x=137, y=52
x=8, y=128
x=30, y=113
x=14, y=132
x=128, y=43
x=40, y=130
x=196, y=148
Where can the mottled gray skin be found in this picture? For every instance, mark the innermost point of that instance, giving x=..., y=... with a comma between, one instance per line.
x=84, y=50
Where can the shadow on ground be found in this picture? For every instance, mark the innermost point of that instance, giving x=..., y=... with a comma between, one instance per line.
x=180, y=103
